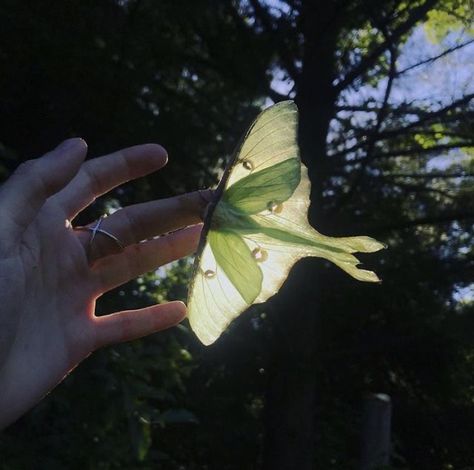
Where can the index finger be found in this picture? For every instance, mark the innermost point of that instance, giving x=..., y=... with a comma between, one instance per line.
x=101, y=174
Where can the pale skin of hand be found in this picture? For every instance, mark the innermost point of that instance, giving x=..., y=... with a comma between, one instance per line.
x=49, y=281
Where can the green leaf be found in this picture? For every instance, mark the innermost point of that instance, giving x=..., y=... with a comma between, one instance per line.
x=450, y=16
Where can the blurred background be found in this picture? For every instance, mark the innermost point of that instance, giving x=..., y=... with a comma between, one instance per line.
x=385, y=92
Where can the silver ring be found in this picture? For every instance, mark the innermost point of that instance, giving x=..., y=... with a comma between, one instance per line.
x=95, y=229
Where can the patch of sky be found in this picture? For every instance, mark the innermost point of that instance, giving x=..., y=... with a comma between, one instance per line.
x=281, y=83
x=464, y=295
x=277, y=8
x=442, y=81
x=434, y=84
x=430, y=86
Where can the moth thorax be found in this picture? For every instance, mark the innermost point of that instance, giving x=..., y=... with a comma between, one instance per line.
x=275, y=207
x=247, y=164
x=209, y=273
x=259, y=254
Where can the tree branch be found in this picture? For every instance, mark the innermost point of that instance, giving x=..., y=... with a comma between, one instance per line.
x=275, y=96
x=357, y=108
x=266, y=20
x=412, y=151
x=415, y=151
x=415, y=15
x=431, y=175
x=428, y=220
x=428, y=118
x=435, y=58
x=416, y=188
x=373, y=136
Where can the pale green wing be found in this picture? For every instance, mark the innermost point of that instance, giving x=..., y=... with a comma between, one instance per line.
x=226, y=283
x=215, y=296
x=271, y=139
x=262, y=189
x=235, y=259
x=283, y=235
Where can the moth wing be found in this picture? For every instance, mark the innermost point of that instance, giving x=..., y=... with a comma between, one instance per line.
x=272, y=138
x=285, y=236
x=226, y=282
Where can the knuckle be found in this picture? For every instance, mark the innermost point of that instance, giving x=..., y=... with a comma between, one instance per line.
x=27, y=167
x=32, y=171
x=188, y=203
x=195, y=202
x=132, y=225
x=93, y=180
x=168, y=247
x=142, y=263
x=186, y=200
x=127, y=165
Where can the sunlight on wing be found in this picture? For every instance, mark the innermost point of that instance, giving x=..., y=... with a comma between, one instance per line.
x=271, y=139
x=277, y=258
x=213, y=300
x=278, y=255
x=291, y=218
x=259, y=228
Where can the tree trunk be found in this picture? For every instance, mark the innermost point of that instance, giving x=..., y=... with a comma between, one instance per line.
x=375, y=445
x=291, y=392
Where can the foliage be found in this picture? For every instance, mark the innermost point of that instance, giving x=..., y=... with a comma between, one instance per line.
x=286, y=383
x=449, y=16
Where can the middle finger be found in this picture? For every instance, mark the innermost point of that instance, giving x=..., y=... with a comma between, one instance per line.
x=146, y=220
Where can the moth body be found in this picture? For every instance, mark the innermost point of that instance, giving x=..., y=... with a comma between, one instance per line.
x=227, y=217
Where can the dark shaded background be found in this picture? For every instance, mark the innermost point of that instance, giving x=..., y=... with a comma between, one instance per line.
x=284, y=389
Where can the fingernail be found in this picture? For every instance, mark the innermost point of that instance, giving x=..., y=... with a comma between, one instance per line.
x=69, y=144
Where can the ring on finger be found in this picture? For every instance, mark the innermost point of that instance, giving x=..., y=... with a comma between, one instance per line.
x=95, y=229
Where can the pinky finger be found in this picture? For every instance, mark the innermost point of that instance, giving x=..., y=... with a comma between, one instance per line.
x=133, y=324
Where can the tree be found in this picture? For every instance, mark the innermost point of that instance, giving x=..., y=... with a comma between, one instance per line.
x=363, y=159
x=284, y=388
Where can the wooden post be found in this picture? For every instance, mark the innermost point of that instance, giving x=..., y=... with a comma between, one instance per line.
x=375, y=448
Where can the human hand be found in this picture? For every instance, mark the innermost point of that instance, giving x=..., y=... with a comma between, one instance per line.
x=50, y=277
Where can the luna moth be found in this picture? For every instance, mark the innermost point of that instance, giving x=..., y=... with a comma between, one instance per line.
x=256, y=227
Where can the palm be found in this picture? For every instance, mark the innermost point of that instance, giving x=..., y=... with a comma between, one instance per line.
x=53, y=276
x=49, y=281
